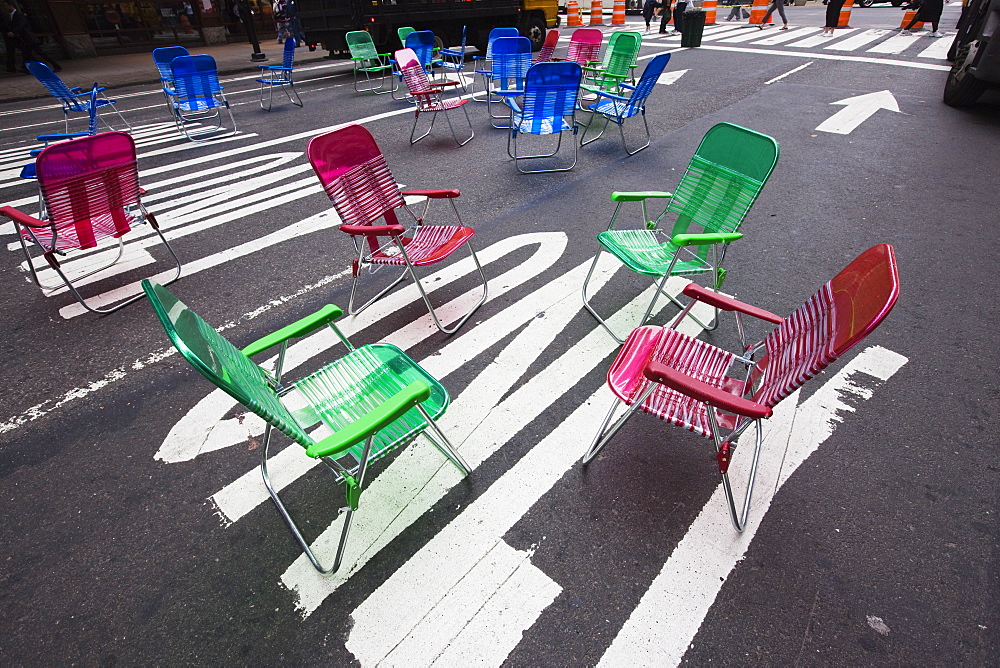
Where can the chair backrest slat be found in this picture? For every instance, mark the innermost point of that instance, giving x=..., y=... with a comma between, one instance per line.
x=548, y=47
x=221, y=362
x=550, y=94
x=360, y=44
x=55, y=86
x=584, y=45
x=647, y=82
x=496, y=34
x=163, y=56
x=511, y=60
x=288, y=57
x=196, y=79
x=421, y=42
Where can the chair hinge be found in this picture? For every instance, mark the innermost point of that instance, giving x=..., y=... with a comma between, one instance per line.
x=353, y=491
x=723, y=456
x=354, y=268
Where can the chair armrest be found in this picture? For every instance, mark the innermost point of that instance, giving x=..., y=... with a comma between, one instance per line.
x=706, y=238
x=373, y=230
x=378, y=419
x=625, y=85
x=444, y=84
x=603, y=93
x=299, y=328
x=22, y=218
x=450, y=52
x=433, y=194
x=62, y=135
x=724, y=303
x=702, y=391
x=639, y=196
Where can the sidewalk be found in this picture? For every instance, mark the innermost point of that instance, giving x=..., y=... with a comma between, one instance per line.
x=137, y=68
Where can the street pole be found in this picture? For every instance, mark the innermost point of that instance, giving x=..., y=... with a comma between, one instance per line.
x=247, y=13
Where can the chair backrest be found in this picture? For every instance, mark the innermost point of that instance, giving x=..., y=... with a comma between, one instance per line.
x=421, y=42
x=288, y=56
x=550, y=94
x=162, y=56
x=511, y=60
x=413, y=73
x=55, y=85
x=92, y=111
x=548, y=46
x=723, y=179
x=647, y=82
x=355, y=175
x=584, y=45
x=496, y=34
x=221, y=362
x=402, y=34
x=360, y=44
x=838, y=316
x=87, y=181
x=622, y=51
x=195, y=77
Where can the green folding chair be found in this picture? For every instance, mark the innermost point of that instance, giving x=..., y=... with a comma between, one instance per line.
x=721, y=183
x=369, y=62
x=620, y=58
x=373, y=399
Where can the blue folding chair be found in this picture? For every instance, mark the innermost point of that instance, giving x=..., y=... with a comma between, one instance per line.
x=71, y=99
x=162, y=57
x=279, y=75
x=548, y=107
x=495, y=34
x=199, y=96
x=454, y=59
x=511, y=60
x=618, y=108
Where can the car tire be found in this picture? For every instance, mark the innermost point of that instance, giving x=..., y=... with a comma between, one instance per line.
x=866, y=3
x=534, y=29
x=897, y=3
x=962, y=89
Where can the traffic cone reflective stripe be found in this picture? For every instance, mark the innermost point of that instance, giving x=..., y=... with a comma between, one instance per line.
x=709, y=7
x=618, y=13
x=573, y=19
x=596, y=14
x=845, y=15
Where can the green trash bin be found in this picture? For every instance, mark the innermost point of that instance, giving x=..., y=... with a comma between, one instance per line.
x=693, y=28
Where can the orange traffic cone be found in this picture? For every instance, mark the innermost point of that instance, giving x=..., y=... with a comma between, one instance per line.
x=845, y=15
x=573, y=14
x=596, y=15
x=909, y=16
x=709, y=7
x=618, y=13
x=757, y=11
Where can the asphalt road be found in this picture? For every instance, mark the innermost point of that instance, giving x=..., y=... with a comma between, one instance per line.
x=129, y=538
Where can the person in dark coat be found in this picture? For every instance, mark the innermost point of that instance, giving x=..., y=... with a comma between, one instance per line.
x=929, y=12
x=18, y=35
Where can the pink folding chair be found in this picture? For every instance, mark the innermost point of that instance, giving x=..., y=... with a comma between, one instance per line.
x=584, y=46
x=90, y=187
x=685, y=381
x=427, y=96
x=548, y=47
x=357, y=179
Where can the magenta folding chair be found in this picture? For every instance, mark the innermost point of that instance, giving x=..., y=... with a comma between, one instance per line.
x=427, y=96
x=584, y=46
x=91, y=191
x=687, y=382
x=357, y=179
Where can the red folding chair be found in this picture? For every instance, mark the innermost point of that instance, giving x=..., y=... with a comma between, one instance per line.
x=357, y=179
x=685, y=381
x=548, y=47
x=90, y=187
x=427, y=96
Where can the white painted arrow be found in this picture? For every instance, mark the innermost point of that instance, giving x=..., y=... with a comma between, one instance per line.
x=668, y=78
x=857, y=110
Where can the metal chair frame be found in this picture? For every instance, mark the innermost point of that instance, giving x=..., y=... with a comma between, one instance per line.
x=72, y=99
x=428, y=97
x=367, y=60
x=487, y=59
x=537, y=94
x=281, y=76
x=199, y=97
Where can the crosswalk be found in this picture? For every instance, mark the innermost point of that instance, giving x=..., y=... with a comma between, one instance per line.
x=879, y=41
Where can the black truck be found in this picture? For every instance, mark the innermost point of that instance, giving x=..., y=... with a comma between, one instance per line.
x=327, y=21
x=975, y=53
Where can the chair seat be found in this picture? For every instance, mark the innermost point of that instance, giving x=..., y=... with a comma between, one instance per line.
x=348, y=389
x=649, y=252
x=199, y=103
x=541, y=126
x=431, y=243
x=688, y=355
x=84, y=234
x=442, y=105
x=276, y=81
x=613, y=108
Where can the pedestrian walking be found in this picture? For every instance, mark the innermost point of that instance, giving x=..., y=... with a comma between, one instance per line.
x=294, y=24
x=780, y=6
x=678, y=15
x=833, y=8
x=928, y=11
x=734, y=11
x=648, y=9
x=18, y=35
x=280, y=20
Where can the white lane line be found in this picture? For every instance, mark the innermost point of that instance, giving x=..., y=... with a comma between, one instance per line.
x=394, y=612
x=895, y=45
x=830, y=56
x=816, y=40
x=668, y=617
x=857, y=41
x=786, y=36
x=746, y=36
x=937, y=50
x=789, y=72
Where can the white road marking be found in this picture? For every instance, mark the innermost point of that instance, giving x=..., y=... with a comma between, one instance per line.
x=859, y=40
x=745, y=36
x=938, y=49
x=670, y=78
x=856, y=111
x=394, y=614
x=668, y=617
x=786, y=36
x=830, y=56
x=895, y=45
x=817, y=40
x=789, y=72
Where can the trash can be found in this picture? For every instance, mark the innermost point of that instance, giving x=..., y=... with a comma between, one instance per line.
x=693, y=28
